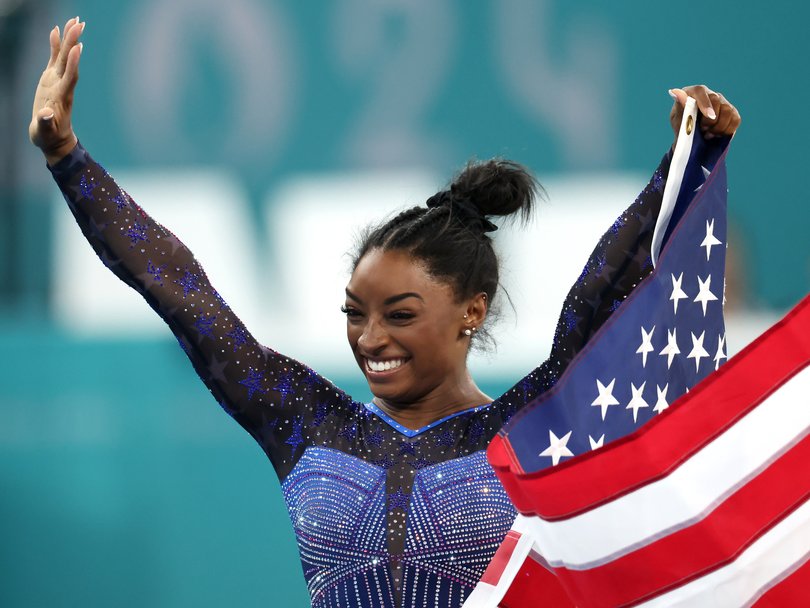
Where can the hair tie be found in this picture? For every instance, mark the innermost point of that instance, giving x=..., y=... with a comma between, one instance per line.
x=464, y=209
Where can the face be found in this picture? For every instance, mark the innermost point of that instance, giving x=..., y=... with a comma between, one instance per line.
x=405, y=328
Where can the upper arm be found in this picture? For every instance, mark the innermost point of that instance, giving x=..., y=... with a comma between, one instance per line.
x=619, y=262
x=276, y=399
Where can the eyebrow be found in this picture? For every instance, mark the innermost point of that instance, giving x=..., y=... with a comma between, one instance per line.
x=391, y=300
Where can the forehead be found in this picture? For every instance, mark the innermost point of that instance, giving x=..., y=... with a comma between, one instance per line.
x=387, y=273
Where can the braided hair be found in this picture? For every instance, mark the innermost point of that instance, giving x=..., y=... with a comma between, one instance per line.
x=450, y=234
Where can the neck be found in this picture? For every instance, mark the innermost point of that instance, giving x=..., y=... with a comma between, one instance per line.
x=435, y=406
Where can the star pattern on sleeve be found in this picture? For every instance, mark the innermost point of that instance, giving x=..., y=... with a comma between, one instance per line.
x=121, y=201
x=253, y=383
x=190, y=282
x=137, y=233
x=86, y=188
x=296, y=437
x=239, y=336
x=153, y=275
x=284, y=386
x=216, y=369
x=204, y=325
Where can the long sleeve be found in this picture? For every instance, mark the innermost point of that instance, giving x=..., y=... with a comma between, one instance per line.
x=279, y=401
x=619, y=262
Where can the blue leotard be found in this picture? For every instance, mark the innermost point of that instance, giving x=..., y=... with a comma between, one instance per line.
x=385, y=516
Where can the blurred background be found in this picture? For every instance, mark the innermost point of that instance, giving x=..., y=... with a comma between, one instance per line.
x=265, y=133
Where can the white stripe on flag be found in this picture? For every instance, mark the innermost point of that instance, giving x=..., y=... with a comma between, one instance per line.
x=783, y=548
x=685, y=496
x=680, y=158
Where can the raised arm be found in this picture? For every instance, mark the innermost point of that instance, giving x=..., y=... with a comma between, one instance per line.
x=621, y=258
x=276, y=399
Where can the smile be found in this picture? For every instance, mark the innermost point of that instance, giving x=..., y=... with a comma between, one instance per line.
x=386, y=365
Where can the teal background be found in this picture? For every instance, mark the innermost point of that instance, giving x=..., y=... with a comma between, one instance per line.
x=121, y=482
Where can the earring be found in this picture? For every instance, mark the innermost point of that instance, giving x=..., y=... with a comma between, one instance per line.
x=475, y=329
x=467, y=332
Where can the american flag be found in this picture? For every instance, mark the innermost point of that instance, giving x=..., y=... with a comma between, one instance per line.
x=660, y=342
x=613, y=514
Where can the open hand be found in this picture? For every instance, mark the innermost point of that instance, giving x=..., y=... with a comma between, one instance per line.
x=50, y=127
x=718, y=117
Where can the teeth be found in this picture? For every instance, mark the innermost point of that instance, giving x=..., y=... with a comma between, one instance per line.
x=383, y=366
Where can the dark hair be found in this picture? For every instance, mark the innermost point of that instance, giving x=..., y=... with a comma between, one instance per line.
x=449, y=235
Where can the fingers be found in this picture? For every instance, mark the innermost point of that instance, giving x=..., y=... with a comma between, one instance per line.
x=73, y=29
x=679, y=95
x=72, y=65
x=718, y=117
x=45, y=120
x=54, y=40
x=703, y=99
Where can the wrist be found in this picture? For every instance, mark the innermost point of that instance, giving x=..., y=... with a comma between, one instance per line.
x=57, y=153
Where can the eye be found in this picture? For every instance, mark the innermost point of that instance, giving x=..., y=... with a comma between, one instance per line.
x=401, y=315
x=350, y=311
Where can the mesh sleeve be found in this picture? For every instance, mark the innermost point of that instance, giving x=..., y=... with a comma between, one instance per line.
x=620, y=260
x=273, y=397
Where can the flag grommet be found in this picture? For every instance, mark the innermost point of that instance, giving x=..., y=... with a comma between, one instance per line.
x=689, y=123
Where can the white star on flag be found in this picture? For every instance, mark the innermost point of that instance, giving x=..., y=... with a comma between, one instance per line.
x=706, y=174
x=661, y=404
x=698, y=352
x=605, y=398
x=677, y=292
x=721, y=353
x=646, y=345
x=637, y=401
x=597, y=443
x=558, y=447
x=710, y=240
x=671, y=349
x=704, y=295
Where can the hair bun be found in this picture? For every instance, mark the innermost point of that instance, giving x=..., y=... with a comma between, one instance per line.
x=497, y=187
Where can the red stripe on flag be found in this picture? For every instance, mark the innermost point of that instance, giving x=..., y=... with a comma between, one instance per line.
x=703, y=547
x=501, y=558
x=794, y=590
x=581, y=484
x=534, y=585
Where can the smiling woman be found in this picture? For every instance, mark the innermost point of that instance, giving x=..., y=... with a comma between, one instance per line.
x=422, y=286
x=393, y=502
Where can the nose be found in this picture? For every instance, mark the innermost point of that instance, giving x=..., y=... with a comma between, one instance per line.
x=373, y=339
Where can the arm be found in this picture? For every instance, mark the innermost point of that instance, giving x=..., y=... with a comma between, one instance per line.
x=276, y=399
x=621, y=258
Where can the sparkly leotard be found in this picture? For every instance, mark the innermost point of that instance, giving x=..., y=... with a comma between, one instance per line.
x=385, y=516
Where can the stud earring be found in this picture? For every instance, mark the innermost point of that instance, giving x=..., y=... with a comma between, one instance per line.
x=467, y=332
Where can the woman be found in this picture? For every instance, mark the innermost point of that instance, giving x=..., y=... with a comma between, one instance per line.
x=393, y=502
